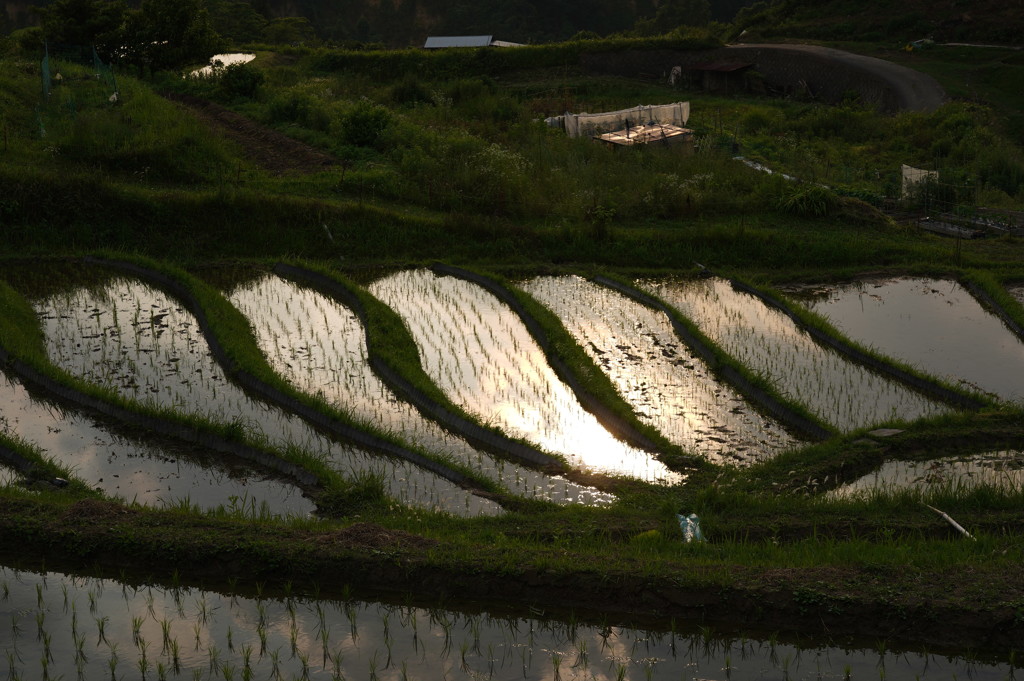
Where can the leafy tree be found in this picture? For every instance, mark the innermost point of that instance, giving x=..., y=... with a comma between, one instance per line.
x=241, y=80
x=672, y=14
x=237, y=20
x=83, y=22
x=289, y=31
x=167, y=34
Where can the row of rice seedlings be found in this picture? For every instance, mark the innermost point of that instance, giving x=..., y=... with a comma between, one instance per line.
x=137, y=340
x=769, y=343
x=479, y=352
x=86, y=628
x=320, y=346
x=667, y=386
x=135, y=470
x=932, y=324
x=1001, y=469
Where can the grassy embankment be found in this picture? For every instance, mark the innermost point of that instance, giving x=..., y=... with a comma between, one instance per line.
x=454, y=167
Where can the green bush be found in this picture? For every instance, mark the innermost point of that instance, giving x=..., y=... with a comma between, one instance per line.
x=241, y=80
x=810, y=200
x=300, y=108
x=364, y=124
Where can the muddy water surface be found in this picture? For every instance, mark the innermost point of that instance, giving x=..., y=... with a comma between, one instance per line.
x=654, y=371
x=838, y=391
x=131, y=337
x=320, y=346
x=56, y=626
x=485, y=360
x=932, y=324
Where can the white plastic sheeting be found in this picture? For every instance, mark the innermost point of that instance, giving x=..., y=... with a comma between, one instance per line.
x=914, y=176
x=591, y=124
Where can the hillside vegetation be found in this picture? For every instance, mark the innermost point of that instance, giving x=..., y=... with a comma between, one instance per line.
x=358, y=160
x=442, y=151
x=986, y=21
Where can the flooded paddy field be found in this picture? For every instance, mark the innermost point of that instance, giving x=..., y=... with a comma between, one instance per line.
x=479, y=352
x=319, y=345
x=149, y=472
x=59, y=626
x=667, y=386
x=1004, y=469
x=769, y=343
x=133, y=338
x=932, y=324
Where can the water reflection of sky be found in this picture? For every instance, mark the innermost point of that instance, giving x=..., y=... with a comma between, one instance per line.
x=92, y=625
x=933, y=324
x=137, y=340
x=320, y=346
x=1002, y=469
x=133, y=470
x=220, y=61
x=840, y=392
x=654, y=371
x=482, y=356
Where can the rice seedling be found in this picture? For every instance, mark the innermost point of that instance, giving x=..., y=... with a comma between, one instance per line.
x=770, y=344
x=484, y=359
x=921, y=321
x=1002, y=472
x=320, y=346
x=490, y=647
x=665, y=383
x=172, y=339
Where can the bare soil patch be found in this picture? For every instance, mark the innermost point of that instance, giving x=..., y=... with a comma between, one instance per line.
x=267, y=148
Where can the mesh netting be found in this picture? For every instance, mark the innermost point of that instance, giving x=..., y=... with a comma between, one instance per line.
x=591, y=124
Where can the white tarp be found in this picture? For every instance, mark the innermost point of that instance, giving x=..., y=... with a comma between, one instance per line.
x=913, y=176
x=578, y=125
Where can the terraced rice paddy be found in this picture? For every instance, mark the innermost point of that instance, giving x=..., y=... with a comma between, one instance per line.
x=58, y=626
x=145, y=472
x=135, y=339
x=320, y=346
x=1000, y=469
x=667, y=386
x=838, y=391
x=479, y=352
x=1017, y=292
x=932, y=324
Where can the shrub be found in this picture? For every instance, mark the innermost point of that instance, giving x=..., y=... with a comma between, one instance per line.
x=241, y=80
x=810, y=200
x=299, y=108
x=364, y=124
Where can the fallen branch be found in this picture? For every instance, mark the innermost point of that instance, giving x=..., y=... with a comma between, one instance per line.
x=954, y=523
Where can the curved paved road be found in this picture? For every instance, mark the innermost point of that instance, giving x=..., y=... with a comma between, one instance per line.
x=915, y=91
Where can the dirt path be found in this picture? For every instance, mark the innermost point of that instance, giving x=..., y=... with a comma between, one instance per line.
x=915, y=91
x=267, y=148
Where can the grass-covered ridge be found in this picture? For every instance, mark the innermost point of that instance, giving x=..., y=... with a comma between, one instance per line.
x=443, y=157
